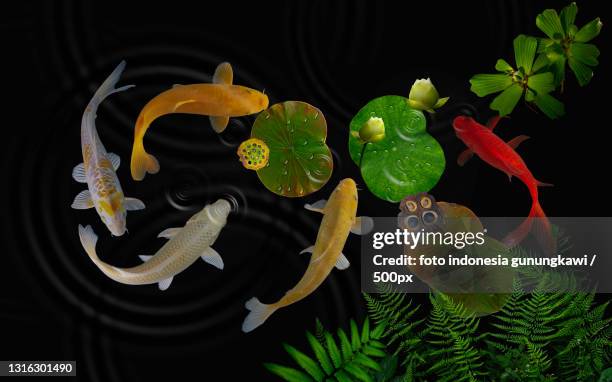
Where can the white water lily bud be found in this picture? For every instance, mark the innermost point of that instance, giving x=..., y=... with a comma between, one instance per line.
x=424, y=96
x=373, y=130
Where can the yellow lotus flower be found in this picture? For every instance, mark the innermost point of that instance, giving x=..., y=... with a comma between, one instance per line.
x=371, y=131
x=424, y=96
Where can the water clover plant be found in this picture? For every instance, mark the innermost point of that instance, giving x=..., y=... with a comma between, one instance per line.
x=565, y=43
x=407, y=160
x=529, y=78
x=299, y=161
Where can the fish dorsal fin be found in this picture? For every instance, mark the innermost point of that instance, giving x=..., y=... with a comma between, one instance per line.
x=342, y=262
x=362, y=225
x=165, y=283
x=115, y=160
x=181, y=103
x=317, y=206
x=224, y=74
x=219, y=123
x=78, y=173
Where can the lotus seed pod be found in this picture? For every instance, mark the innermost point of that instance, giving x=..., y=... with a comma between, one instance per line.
x=254, y=154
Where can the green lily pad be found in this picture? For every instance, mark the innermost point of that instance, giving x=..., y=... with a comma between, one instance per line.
x=300, y=162
x=407, y=161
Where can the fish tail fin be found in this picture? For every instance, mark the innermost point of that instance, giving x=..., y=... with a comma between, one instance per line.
x=258, y=314
x=542, y=229
x=142, y=162
x=537, y=223
x=88, y=240
x=108, y=86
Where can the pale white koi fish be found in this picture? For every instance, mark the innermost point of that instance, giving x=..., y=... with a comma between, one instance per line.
x=185, y=245
x=98, y=168
x=338, y=220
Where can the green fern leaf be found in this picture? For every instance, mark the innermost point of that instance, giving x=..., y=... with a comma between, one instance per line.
x=307, y=363
x=337, y=359
x=287, y=373
x=345, y=344
x=332, y=349
x=320, y=353
x=358, y=373
x=355, y=340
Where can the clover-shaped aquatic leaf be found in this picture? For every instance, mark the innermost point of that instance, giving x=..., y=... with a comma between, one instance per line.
x=530, y=79
x=406, y=161
x=300, y=161
x=565, y=43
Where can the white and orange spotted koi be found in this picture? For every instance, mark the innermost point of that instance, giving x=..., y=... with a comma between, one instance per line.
x=98, y=168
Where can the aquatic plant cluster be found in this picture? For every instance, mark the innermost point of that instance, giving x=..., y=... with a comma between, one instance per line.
x=535, y=337
x=541, y=63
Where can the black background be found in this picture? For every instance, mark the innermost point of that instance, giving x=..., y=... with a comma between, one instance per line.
x=336, y=55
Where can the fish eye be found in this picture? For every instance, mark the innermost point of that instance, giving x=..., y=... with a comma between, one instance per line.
x=426, y=202
x=411, y=221
x=430, y=217
x=411, y=205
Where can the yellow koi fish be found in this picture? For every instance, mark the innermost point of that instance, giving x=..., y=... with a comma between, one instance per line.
x=338, y=220
x=185, y=245
x=219, y=100
x=98, y=168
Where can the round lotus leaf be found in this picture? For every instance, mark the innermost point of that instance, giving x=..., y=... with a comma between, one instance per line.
x=407, y=160
x=300, y=162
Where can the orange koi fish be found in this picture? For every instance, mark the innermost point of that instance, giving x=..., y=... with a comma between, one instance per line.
x=219, y=100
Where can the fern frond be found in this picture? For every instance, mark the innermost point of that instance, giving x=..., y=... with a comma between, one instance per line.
x=403, y=333
x=320, y=332
x=340, y=358
x=453, y=331
x=539, y=362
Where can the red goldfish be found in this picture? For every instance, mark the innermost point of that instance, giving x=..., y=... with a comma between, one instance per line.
x=481, y=141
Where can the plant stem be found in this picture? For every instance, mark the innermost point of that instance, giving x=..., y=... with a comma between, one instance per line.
x=362, y=152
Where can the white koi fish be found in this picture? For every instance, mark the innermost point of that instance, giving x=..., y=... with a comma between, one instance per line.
x=338, y=220
x=98, y=168
x=185, y=245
